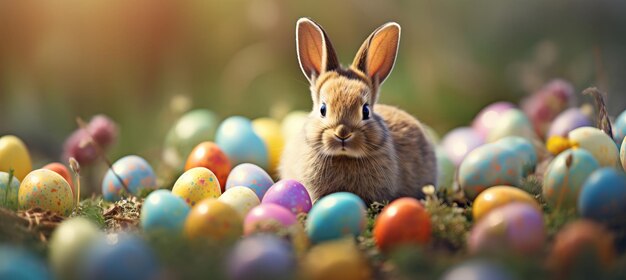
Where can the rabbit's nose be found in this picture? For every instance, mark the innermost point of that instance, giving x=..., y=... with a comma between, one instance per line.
x=342, y=132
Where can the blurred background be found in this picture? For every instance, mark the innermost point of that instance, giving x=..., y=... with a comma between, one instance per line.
x=145, y=62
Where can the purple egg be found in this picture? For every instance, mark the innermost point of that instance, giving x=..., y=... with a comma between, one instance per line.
x=250, y=176
x=268, y=218
x=489, y=116
x=567, y=121
x=459, y=142
x=290, y=194
x=262, y=257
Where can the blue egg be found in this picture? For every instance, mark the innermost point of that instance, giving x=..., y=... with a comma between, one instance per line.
x=250, y=176
x=523, y=150
x=603, y=196
x=16, y=263
x=262, y=257
x=477, y=269
x=163, y=211
x=241, y=144
x=134, y=171
x=619, y=129
x=565, y=177
x=120, y=256
x=335, y=216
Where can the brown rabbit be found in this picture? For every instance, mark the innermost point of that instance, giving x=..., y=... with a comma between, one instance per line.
x=348, y=142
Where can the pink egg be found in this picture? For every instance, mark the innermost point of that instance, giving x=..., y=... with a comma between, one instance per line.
x=487, y=118
x=459, y=142
x=290, y=194
x=268, y=218
x=567, y=121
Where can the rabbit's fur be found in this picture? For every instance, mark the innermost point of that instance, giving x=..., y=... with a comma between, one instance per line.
x=380, y=157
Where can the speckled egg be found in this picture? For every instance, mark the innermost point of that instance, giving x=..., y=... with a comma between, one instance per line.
x=262, y=256
x=69, y=243
x=477, y=270
x=598, y=143
x=14, y=155
x=323, y=262
x=293, y=123
x=512, y=123
x=242, y=199
x=238, y=140
x=163, y=211
x=213, y=221
x=335, y=216
x=197, y=184
x=565, y=176
x=619, y=128
x=403, y=222
x=445, y=170
x=486, y=119
x=567, y=121
x=250, y=176
x=269, y=131
x=603, y=196
x=498, y=196
x=268, y=218
x=17, y=263
x=46, y=189
x=209, y=155
x=136, y=174
x=8, y=191
x=191, y=129
x=290, y=194
x=459, y=142
x=60, y=169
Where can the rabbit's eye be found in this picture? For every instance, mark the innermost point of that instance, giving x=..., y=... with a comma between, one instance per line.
x=366, y=112
x=323, y=110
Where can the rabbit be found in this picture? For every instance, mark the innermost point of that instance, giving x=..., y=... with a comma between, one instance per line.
x=348, y=141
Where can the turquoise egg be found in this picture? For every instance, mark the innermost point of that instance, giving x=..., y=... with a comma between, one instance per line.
x=603, y=196
x=191, y=129
x=524, y=151
x=619, y=128
x=163, y=211
x=237, y=138
x=136, y=174
x=250, y=176
x=565, y=176
x=16, y=263
x=8, y=191
x=335, y=216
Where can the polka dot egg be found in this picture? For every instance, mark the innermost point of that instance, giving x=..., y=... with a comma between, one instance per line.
x=46, y=189
x=289, y=194
x=136, y=174
x=197, y=184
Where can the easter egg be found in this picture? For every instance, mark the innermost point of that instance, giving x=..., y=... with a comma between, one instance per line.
x=290, y=194
x=603, y=196
x=567, y=121
x=293, y=123
x=17, y=263
x=619, y=128
x=335, y=216
x=196, y=184
x=14, y=155
x=8, y=191
x=271, y=134
x=238, y=140
x=60, y=169
x=192, y=128
x=213, y=221
x=516, y=227
x=323, y=261
x=268, y=218
x=598, y=143
x=477, y=270
x=622, y=154
x=445, y=170
x=511, y=123
x=524, y=152
x=546, y=103
x=242, y=199
x=459, y=142
x=136, y=174
x=498, y=196
x=163, y=211
x=262, y=257
x=565, y=177
x=403, y=222
x=45, y=189
x=68, y=245
x=210, y=156
x=250, y=176
x=486, y=119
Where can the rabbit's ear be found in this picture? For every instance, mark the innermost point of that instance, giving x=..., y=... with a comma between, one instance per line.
x=315, y=52
x=377, y=55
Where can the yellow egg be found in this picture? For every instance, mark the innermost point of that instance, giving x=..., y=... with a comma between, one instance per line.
x=14, y=155
x=292, y=123
x=197, y=184
x=598, y=143
x=271, y=134
x=46, y=189
x=214, y=221
x=242, y=199
x=323, y=261
x=497, y=196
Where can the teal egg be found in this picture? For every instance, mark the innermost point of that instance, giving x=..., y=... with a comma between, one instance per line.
x=603, y=196
x=16, y=263
x=619, y=128
x=335, y=216
x=445, y=170
x=250, y=176
x=192, y=128
x=565, y=176
x=523, y=150
x=8, y=191
x=163, y=211
x=134, y=171
x=237, y=138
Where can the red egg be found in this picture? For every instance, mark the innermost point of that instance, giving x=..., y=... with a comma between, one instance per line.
x=403, y=222
x=60, y=169
x=209, y=155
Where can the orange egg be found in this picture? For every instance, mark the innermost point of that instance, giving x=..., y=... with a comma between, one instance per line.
x=60, y=169
x=404, y=221
x=209, y=155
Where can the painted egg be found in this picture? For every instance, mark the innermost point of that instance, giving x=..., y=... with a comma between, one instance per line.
x=445, y=170
x=512, y=123
x=17, y=263
x=213, y=221
x=238, y=140
x=262, y=257
x=517, y=227
x=290, y=194
x=603, y=196
x=46, y=189
x=268, y=218
x=269, y=131
x=250, y=176
x=523, y=150
x=136, y=174
x=14, y=155
x=8, y=191
x=163, y=211
x=60, y=169
x=335, y=216
x=293, y=123
x=486, y=119
x=498, y=196
x=209, y=155
x=619, y=128
x=242, y=199
x=459, y=142
x=622, y=154
x=403, y=222
x=192, y=128
x=565, y=176
x=196, y=184
x=323, y=262
x=567, y=121
x=546, y=103
x=69, y=243
x=598, y=143
x=477, y=269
